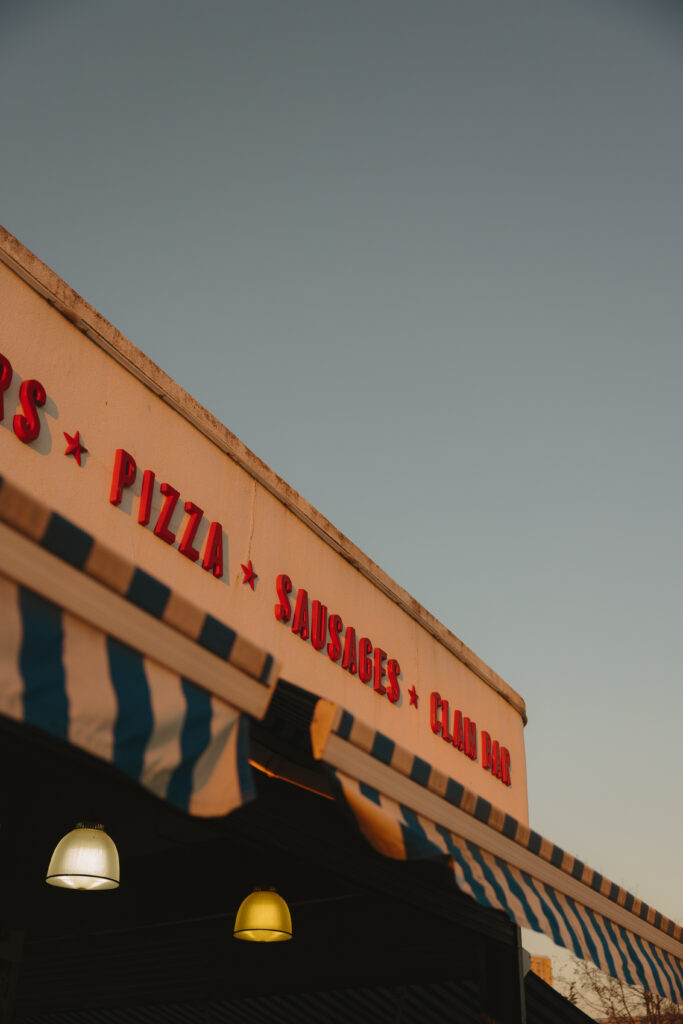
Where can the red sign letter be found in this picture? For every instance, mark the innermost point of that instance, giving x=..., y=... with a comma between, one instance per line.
x=334, y=647
x=167, y=509
x=485, y=750
x=124, y=475
x=393, y=672
x=445, y=734
x=505, y=757
x=300, y=622
x=364, y=663
x=145, y=506
x=380, y=658
x=31, y=394
x=283, y=610
x=471, y=739
x=458, y=732
x=349, y=661
x=213, y=552
x=434, y=705
x=318, y=625
x=5, y=381
x=185, y=546
x=496, y=766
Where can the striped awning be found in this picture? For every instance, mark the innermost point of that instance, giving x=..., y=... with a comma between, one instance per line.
x=406, y=809
x=101, y=655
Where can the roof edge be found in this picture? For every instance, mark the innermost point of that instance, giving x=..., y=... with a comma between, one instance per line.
x=82, y=315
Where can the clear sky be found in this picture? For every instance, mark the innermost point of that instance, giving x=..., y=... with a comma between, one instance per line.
x=425, y=259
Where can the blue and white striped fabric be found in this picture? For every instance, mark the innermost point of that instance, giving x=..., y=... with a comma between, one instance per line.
x=78, y=684
x=590, y=936
x=400, y=832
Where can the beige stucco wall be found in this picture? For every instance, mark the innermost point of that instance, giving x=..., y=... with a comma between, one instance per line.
x=103, y=387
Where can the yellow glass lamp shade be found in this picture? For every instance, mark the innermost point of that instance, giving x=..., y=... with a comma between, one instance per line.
x=263, y=917
x=86, y=858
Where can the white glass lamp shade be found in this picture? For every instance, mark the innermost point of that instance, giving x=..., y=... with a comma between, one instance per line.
x=86, y=858
x=263, y=917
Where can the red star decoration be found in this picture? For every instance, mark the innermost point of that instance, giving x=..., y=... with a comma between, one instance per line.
x=250, y=576
x=412, y=693
x=74, y=446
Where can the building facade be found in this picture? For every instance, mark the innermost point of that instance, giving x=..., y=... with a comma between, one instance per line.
x=184, y=628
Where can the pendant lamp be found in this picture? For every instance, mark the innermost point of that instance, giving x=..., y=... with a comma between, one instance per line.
x=263, y=917
x=86, y=858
